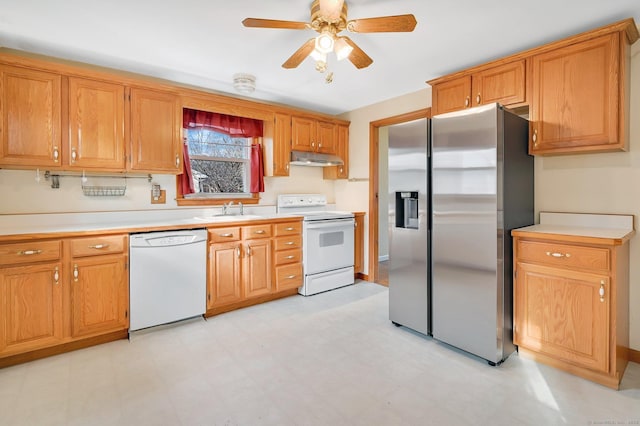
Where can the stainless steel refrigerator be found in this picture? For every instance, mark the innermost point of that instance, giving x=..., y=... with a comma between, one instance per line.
x=408, y=186
x=482, y=188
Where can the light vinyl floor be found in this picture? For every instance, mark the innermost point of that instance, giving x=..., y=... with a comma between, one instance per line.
x=328, y=359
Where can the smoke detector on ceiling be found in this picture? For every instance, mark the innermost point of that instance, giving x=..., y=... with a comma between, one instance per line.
x=244, y=83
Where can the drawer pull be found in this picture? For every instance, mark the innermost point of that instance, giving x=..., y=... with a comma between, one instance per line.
x=289, y=243
x=557, y=254
x=28, y=252
x=289, y=257
x=290, y=277
x=601, y=292
x=259, y=231
x=289, y=229
x=99, y=246
x=226, y=235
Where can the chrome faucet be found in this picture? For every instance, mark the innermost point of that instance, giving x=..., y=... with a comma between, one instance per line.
x=225, y=207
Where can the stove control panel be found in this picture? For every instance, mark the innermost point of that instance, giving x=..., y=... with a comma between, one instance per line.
x=302, y=200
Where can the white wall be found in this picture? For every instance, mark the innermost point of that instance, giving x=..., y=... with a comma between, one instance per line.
x=20, y=193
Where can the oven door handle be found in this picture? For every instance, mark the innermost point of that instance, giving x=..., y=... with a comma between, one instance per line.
x=333, y=223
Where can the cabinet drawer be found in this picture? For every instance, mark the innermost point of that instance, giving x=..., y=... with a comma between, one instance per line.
x=288, y=276
x=291, y=228
x=93, y=246
x=30, y=252
x=256, y=231
x=284, y=257
x=565, y=255
x=222, y=235
x=288, y=243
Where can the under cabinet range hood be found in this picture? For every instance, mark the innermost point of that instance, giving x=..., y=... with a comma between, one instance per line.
x=303, y=158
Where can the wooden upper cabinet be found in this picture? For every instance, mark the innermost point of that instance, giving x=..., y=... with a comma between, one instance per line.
x=96, y=125
x=303, y=133
x=156, y=125
x=342, y=151
x=503, y=83
x=30, y=105
x=281, y=144
x=325, y=137
x=576, y=103
x=451, y=95
x=312, y=135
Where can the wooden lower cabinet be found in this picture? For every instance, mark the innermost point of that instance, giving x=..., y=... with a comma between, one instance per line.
x=571, y=305
x=58, y=295
x=257, y=263
x=99, y=295
x=31, y=308
x=256, y=268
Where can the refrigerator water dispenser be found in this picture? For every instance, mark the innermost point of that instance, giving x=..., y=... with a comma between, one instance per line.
x=407, y=209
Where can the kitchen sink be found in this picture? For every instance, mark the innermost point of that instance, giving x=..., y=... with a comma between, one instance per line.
x=228, y=217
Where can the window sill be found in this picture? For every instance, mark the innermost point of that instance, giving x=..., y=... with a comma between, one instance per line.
x=254, y=199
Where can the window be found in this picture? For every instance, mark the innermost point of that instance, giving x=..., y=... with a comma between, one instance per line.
x=220, y=164
x=222, y=158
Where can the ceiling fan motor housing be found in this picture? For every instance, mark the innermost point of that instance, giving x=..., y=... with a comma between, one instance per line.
x=320, y=21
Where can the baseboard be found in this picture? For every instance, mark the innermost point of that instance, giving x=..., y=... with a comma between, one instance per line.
x=361, y=276
x=634, y=356
x=62, y=348
x=249, y=302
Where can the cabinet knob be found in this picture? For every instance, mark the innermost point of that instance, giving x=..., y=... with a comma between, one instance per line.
x=56, y=154
x=56, y=275
x=238, y=252
x=248, y=250
x=177, y=161
x=534, y=138
x=74, y=155
x=478, y=99
x=466, y=102
x=75, y=273
x=601, y=292
x=286, y=167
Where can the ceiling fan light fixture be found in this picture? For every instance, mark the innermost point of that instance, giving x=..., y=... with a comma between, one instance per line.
x=342, y=49
x=244, y=83
x=330, y=10
x=325, y=42
x=318, y=56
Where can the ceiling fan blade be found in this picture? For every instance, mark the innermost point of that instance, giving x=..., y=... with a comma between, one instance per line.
x=357, y=55
x=274, y=23
x=300, y=54
x=383, y=24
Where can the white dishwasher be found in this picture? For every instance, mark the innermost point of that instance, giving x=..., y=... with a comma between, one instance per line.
x=167, y=276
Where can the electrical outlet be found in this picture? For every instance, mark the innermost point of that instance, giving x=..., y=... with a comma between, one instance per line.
x=159, y=197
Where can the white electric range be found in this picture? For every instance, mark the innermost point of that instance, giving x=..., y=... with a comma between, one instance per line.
x=327, y=242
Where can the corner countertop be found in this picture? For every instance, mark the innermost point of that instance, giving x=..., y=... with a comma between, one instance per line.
x=613, y=229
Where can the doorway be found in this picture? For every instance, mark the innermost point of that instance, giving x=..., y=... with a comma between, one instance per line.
x=378, y=152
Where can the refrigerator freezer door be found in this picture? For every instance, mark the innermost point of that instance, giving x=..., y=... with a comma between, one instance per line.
x=408, y=225
x=466, y=157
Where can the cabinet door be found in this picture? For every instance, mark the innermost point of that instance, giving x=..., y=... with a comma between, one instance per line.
x=30, y=106
x=256, y=269
x=303, y=134
x=96, y=125
x=156, y=122
x=342, y=150
x=326, y=137
x=560, y=313
x=31, y=314
x=224, y=284
x=504, y=84
x=451, y=95
x=282, y=145
x=576, y=97
x=99, y=295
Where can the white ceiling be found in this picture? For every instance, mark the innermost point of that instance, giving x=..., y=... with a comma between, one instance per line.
x=203, y=43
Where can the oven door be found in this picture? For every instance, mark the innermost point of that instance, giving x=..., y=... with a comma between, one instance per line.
x=327, y=245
